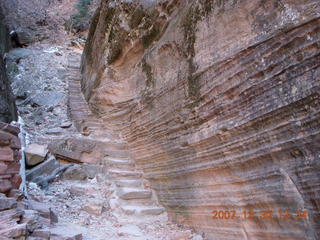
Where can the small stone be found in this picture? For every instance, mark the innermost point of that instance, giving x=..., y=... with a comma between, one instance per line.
x=50, y=109
x=94, y=207
x=181, y=236
x=66, y=124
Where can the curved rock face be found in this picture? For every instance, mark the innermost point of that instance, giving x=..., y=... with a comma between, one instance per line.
x=219, y=102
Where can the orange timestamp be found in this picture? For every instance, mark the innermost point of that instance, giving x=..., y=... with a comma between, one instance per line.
x=264, y=214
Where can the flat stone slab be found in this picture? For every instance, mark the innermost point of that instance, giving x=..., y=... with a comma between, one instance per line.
x=125, y=174
x=133, y=193
x=142, y=210
x=129, y=183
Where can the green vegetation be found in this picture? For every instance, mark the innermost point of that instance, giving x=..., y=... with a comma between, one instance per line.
x=189, y=25
x=146, y=68
x=150, y=37
x=88, y=48
x=194, y=14
x=80, y=20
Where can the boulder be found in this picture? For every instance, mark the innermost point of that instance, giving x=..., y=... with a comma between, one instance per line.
x=43, y=169
x=35, y=154
x=94, y=207
x=78, y=150
x=76, y=172
x=45, y=172
x=17, y=54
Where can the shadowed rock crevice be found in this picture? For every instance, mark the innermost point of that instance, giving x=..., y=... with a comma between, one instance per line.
x=8, y=111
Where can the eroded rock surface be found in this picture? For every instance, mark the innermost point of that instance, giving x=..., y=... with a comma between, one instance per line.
x=8, y=110
x=9, y=158
x=219, y=101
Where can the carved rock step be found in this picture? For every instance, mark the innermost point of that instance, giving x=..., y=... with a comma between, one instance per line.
x=73, y=66
x=117, y=154
x=74, y=78
x=133, y=193
x=122, y=174
x=129, y=183
x=124, y=164
x=148, y=202
x=142, y=210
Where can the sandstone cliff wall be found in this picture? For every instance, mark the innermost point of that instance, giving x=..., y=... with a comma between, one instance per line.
x=219, y=102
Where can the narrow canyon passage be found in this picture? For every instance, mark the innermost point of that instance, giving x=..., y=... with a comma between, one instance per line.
x=160, y=120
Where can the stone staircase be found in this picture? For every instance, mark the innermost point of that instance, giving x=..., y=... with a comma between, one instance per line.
x=132, y=195
x=85, y=122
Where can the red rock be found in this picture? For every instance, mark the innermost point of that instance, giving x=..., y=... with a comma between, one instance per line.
x=16, y=181
x=15, y=143
x=16, y=194
x=5, y=176
x=6, y=154
x=12, y=168
x=219, y=103
x=78, y=149
x=5, y=186
x=14, y=232
x=31, y=219
x=17, y=155
x=5, y=138
x=10, y=129
x=49, y=217
x=3, y=168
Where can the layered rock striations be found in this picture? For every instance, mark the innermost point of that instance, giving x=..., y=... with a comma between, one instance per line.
x=219, y=104
x=10, y=156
